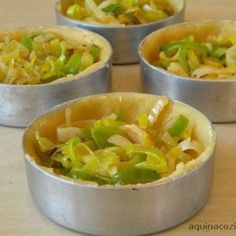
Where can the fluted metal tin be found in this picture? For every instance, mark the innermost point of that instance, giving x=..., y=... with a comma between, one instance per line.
x=215, y=98
x=124, y=39
x=21, y=103
x=118, y=210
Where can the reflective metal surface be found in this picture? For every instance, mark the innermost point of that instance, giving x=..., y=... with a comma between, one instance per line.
x=21, y=103
x=112, y=210
x=215, y=98
x=124, y=39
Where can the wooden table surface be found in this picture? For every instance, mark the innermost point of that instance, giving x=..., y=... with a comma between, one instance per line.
x=18, y=214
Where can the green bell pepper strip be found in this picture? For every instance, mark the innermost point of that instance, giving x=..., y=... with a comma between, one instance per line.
x=100, y=135
x=179, y=126
x=137, y=158
x=120, y=114
x=157, y=162
x=169, y=48
x=153, y=163
x=83, y=175
x=115, y=8
x=85, y=134
x=73, y=11
x=27, y=42
x=91, y=145
x=219, y=53
x=74, y=63
x=95, y=52
x=132, y=175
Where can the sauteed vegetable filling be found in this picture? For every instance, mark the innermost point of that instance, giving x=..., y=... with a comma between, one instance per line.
x=42, y=57
x=215, y=58
x=125, y=12
x=113, y=151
